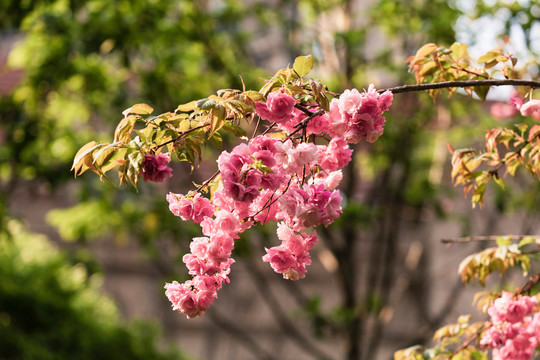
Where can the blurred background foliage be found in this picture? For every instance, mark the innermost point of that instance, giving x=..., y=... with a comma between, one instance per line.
x=84, y=61
x=51, y=308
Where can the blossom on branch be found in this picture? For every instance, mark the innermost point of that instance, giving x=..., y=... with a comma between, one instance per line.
x=356, y=116
x=155, y=167
x=514, y=333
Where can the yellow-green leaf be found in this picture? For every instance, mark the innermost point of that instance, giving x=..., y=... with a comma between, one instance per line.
x=425, y=50
x=124, y=129
x=490, y=56
x=303, y=65
x=254, y=95
x=190, y=106
x=217, y=119
x=138, y=109
x=83, y=158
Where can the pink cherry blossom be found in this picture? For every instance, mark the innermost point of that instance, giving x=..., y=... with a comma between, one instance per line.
x=291, y=257
x=356, y=116
x=197, y=208
x=508, y=308
x=514, y=333
x=334, y=156
x=278, y=107
x=155, y=167
x=530, y=108
x=502, y=111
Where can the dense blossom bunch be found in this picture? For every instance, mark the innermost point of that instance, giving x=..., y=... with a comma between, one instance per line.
x=285, y=179
x=357, y=116
x=515, y=331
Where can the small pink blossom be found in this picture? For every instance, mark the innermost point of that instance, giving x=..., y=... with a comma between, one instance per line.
x=530, y=108
x=278, y=107
x=336, y=155
x=155, y=167
x=507, y=308
x=197, y=208
x=514, y=333
x=280, y=258
x=356, y=116
x=502, y=111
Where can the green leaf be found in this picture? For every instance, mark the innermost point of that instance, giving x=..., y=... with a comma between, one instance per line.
x=114, y=160
x=504, y=241
x=206, y=104
x=217, y=119
x=84, y=157
x=234, y=129
x=190, y=106
x=217, y=141
x=499, y=181
x=526, y=240
x=254, y=95
x=460, y=50
x=124, y=129
x=303, y=65
x=490, y=56
x=481, y=91
x=138, y=109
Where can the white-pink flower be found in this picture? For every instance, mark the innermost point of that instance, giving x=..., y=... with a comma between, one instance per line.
x=355, y=116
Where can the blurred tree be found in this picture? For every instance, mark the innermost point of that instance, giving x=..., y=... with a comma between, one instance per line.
x=51, y=308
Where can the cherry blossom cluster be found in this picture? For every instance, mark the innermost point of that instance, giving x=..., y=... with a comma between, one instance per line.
x=515, y=330
x=515, y=105
x=282, y=178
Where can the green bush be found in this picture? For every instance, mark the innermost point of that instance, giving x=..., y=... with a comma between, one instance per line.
x=52, y=309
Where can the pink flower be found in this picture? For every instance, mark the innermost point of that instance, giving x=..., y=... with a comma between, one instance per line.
x=280, y=258
x=331, y=181
x=155, y=167
x=517, y=102
x=334, y=156
x=514, y=334
x=530, y=108
x=278, y=107
x=507, y=308
x=292, y=256
x=356, y=116
x=197, y=208
x=183, y=299
x=502, y=111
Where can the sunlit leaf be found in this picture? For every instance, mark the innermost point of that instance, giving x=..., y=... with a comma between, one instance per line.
x=303, y=65
x=190, y=106
x=138, y=109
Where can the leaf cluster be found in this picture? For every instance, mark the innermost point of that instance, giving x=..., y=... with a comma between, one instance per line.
x=449, y=338
x=433, y=63
x=501, y=258
x=506, y=148
x=185, y=132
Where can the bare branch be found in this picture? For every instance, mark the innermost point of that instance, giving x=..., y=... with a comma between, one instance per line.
x=464, y=83
x=485, y=238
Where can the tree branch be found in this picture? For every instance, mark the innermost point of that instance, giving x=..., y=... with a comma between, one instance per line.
x=485, y=238
x=464, y=83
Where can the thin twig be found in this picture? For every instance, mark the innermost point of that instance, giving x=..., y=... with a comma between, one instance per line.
x=486, y=238
x=463, y=83
x=208, y=181
x=181, y=135
x=527, y=287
